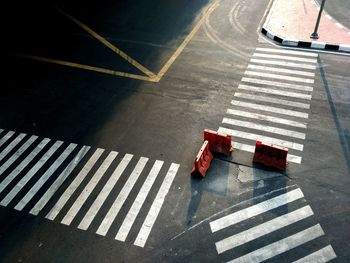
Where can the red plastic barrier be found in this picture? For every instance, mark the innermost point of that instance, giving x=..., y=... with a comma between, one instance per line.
x=270, y=155
x=202, y=161
x=218, y=142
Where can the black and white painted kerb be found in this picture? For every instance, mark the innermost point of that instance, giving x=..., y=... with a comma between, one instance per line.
x=305, y=44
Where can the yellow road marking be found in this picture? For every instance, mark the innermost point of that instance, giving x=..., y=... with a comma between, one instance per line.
x=109, y=45
x=168, y=64
x=86, y=67
x=151, y=76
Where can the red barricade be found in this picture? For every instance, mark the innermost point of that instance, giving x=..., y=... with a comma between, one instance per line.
x=270, y=155
x=202, y=161
x=218, y=142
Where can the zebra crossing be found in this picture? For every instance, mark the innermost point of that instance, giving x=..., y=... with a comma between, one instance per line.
x=272, y=101
x=34, y=171
x=268, y=220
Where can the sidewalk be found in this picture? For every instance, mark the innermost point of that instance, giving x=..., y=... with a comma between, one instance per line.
x=292, y=22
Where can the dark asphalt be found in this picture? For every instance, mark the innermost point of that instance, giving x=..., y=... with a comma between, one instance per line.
x=162, y=121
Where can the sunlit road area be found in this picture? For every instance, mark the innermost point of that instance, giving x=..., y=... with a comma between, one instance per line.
x=102, y=110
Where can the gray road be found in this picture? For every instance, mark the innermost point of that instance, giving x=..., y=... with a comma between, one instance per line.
x=144, y=80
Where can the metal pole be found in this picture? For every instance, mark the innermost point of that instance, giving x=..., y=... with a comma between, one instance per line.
x=315, y=34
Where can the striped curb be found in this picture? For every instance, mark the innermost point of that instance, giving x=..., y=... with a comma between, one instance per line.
x=305, y=44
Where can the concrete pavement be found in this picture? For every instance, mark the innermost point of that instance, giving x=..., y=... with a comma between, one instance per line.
x=291, y=24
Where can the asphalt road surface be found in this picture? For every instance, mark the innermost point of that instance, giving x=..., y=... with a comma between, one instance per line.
x=102, y=111
x=339, y=10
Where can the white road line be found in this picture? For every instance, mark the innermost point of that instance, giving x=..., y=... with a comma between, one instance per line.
x=59, y=181
x=36, y=187
x=277, y=76
x=265, y=139
x=321, y=256
x=271, y=129
x=255, y=210
x=18, y=187
x=284, y=51
x=275, y=92
x=251, y=148
x=282, y=70
x=140, y=199
x=281, y=246
x=278, y=84
x=101, y=198
x=121, y=198
x=12, y=145
x=73, y=211
x=258, y=116
x=272, y=100
x=74, y=185
x=6, y=137
x=156, y=206
x=270, y=109
x=263, y=229
x=306, y=60
x=283, y=63
x=17, y=154
x=1, y=130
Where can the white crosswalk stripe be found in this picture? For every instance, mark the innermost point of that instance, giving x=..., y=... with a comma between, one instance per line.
x=39, y=182
x=282, y=70
x=275, y=92
x=310, y=232
x=323, y=255
x=255, y=126
x=276, y=82
x=272, y=100
x=12, y=145
x=283, y=63
x=277, y=76
x=8, y=198
x=282, y=57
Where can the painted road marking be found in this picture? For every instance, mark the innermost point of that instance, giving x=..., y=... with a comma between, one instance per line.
x=321, y=256
x=263, y=229
x=275, y=92
x=283, y=63
x=17, y=154
x=266, y=139
x=270, y=129
x=282, y=245
x=21, y=204
x=270, y=109
x=23, y=164
x=282, y=70
x=268, y=118
x=101, y=198
x=140, y=199
x=157, y=204
x=277, y=76
x=285, y=51
x=255, y=210
x=73, y=211
x=272, y=100
x=74, y=185
x=251, y=148
x=278, y=84
x=85, y=67
x=6, y=137
x=123, y=195
x=307, y=60
x=12, y=145
x=109, y=44
x=15, y=190
x=59, y=181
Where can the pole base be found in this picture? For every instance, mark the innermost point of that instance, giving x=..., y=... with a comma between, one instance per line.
x=314, y=35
